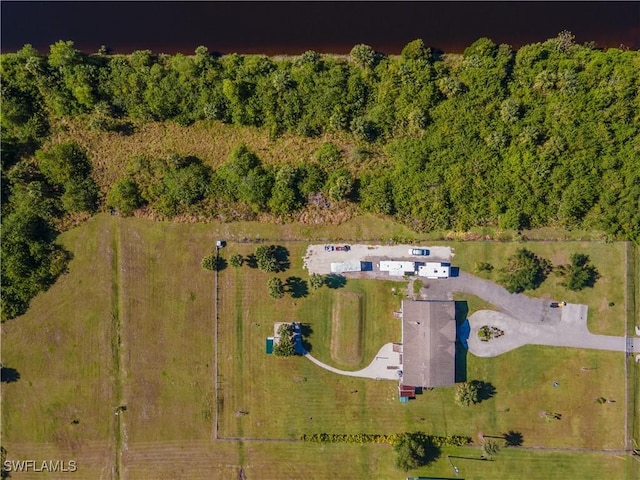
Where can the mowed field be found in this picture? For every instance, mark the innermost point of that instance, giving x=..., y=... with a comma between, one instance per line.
x=143, y=280
x=346, y=328
x=62, y=406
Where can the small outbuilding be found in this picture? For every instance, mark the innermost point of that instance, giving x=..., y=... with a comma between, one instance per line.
x=406, y=391
x=269, y=345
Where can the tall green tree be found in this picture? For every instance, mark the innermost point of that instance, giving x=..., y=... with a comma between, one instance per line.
x=524, y=271
x=275, y=287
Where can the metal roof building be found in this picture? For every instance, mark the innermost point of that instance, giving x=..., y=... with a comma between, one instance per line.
x=428, y=343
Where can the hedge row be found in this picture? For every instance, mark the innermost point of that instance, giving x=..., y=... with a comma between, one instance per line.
x=392, y=439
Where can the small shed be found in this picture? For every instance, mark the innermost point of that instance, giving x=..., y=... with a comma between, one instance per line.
x=269, y=345
x=434, y=270
x=397, y=268
x=406, y=391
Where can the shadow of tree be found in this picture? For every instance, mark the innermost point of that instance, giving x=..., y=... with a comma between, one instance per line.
x=9, y=375
x=460, y=372
x=297, y=287
x=462, y=336
x=335, y=281
x=281, y=254
x=431, y=454
x=485, y=390
x=306, y=331
x=221, y=264
x=251, y=261
x=513, y=439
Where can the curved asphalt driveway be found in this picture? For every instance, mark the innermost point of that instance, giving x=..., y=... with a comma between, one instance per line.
x=518, y=306
x=528, y=320
x=517, y=334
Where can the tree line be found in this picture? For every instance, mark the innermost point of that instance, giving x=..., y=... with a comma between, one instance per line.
x=545, y=135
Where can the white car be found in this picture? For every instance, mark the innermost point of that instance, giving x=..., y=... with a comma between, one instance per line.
x=422, y=252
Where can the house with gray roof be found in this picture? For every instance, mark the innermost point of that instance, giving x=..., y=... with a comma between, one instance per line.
x=428, y=343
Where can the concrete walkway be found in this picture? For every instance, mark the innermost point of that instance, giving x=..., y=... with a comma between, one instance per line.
x=385, y=366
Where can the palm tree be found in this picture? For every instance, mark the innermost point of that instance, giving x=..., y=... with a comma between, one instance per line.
x=490, y=449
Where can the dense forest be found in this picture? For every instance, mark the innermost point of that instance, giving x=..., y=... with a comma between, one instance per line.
x=548, y=135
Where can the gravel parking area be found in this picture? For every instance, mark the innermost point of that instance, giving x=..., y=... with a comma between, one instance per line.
x=318, y=259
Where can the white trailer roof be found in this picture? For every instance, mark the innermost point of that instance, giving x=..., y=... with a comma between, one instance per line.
x=395, y=267
x=348, y=266
x=434, y=270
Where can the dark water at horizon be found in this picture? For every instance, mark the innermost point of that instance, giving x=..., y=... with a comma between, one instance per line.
x=328, y=27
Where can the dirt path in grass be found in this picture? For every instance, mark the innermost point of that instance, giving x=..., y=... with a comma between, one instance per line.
x=118, y=266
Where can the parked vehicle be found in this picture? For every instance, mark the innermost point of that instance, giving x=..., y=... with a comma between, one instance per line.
x=422, y=252
x=338, y=248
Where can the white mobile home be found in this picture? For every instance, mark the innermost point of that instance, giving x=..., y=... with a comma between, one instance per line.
x=397, y=268
x=434, y=270
x=346, y=267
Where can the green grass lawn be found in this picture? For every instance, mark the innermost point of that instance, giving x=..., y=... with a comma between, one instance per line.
x=62, y=406
x=515, y=464
x=147, y=276
x=167, y=315
x=378, y=324
x=287, y=397
x=346, y=328
x=608, y=258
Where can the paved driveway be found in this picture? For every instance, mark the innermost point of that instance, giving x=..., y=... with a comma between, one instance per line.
x=385, y=366
x=518, y=306
x=567, y=333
